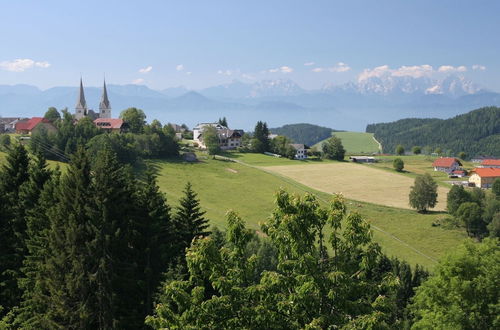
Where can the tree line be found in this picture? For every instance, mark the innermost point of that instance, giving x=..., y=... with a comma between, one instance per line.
x=473, y=133
x=139, y=141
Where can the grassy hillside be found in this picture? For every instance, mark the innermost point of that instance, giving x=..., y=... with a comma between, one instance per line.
x=223, y=185
x=475, y=133
x=356, y=142
x=303, y=133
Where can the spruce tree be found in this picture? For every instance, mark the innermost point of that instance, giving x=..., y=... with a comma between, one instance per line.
x=189, y=219
x=13, y=174
x=155, y=243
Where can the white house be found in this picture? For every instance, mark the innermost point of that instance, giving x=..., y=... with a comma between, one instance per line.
x=301, y=152
x=228, y=138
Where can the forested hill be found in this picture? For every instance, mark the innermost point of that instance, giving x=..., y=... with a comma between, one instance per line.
x=475, y=133
x=304, y=133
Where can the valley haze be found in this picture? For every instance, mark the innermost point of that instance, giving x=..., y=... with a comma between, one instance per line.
x=351, y=106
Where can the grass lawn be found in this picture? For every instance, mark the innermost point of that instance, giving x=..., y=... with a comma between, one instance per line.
x=417, y=165
x=358, y=182
x=223, y=185
x=355, y=142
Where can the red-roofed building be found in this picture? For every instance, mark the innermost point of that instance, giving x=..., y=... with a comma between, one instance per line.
x=495, y=163
x=28, y=126
x=484, y=177
x=111, y=124
x=447, y=164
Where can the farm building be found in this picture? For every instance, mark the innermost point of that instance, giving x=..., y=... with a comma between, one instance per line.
x=362, y=159
x=484, y=177
x=458, y=173
x=9, y=124
x=479, y=159
x=447, y=164
x=300, y=151
x=492, y=163
x=28, y=126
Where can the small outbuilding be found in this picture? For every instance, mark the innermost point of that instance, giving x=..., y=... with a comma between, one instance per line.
x=362, y=159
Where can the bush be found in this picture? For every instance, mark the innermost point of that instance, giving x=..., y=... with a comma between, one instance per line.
x=398, y=164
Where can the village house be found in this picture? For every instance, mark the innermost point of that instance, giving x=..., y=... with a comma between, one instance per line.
x=111, y=124
x=492, y=163
x=484, y=177
x=300, y=152
x=447, y=164
x=28, y=126
x=228, y=138
x=8, y=124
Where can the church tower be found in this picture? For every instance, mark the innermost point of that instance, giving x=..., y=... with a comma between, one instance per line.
x=81, y=104
x=104, y=106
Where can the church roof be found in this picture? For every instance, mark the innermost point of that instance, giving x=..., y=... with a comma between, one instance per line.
x=80, y=102
x=104, y=98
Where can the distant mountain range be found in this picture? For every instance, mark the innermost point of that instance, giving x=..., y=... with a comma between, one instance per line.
x=348, y=106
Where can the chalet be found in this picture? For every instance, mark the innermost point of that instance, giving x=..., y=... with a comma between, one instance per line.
x=300, y=151
x=28, y=126
x=362, y=159
x=492, y=163
x=111, y=124
x=228, y=138
x=484, y=177
x=447, y=164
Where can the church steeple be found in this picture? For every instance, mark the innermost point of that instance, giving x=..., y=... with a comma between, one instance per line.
x=81, y=104
x=104, y=105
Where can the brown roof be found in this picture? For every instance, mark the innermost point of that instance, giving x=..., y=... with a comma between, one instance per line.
x=487, y=172
x=112, y=123
x=491, y=162
x=30, y=124
x=445, y=162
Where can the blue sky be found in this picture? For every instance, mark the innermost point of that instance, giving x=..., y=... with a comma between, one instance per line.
x=203, y=43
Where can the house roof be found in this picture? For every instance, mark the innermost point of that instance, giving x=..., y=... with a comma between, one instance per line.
x=112, y=123
x=445, y=162
x=487, y=172
x=30, y=124
x=491, y=162
x=297, y=146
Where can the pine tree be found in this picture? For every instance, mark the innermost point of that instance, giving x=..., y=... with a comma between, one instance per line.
x=13, y=174
x=189, y=219
x=155, y=240
x=69, y=293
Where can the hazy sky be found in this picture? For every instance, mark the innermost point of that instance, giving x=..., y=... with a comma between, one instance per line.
x=203, y=43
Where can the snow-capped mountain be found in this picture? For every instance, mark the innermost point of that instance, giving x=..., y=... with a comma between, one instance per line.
x=387, y=85
x=264, y=88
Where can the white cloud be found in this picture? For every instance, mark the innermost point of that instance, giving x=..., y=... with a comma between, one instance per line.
x=309, y=63
x=450, y=68
x=340, y=67
x=436, y=89
x=225, y=72
x=20, y=65
x=179, y=67
x=138, y=81
x=248, y=76
x=189, y=73
x=146, y=69
x=283, y=69
x=318, y=70
x=377, y=72
x=478, y=67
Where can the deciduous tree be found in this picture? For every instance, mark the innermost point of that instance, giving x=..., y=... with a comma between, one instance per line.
x=423, y=194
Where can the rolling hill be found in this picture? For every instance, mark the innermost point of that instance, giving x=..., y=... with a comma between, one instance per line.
x=475, y=133
x=307, y=134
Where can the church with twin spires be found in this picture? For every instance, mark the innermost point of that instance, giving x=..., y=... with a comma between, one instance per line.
x=81, y=105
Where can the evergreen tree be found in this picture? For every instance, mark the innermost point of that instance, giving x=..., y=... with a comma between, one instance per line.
x=223, y=121
x=423, y=194
x=260, y=141
x=189, y=219
x=13, y=174
x=155, y=243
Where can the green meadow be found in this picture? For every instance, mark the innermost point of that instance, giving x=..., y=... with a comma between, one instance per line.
x=355, y=142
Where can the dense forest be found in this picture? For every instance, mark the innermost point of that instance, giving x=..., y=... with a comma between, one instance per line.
x=475, y=133
x=307, y=134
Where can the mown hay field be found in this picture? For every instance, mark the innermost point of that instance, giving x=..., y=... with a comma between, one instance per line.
x=358, y=182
